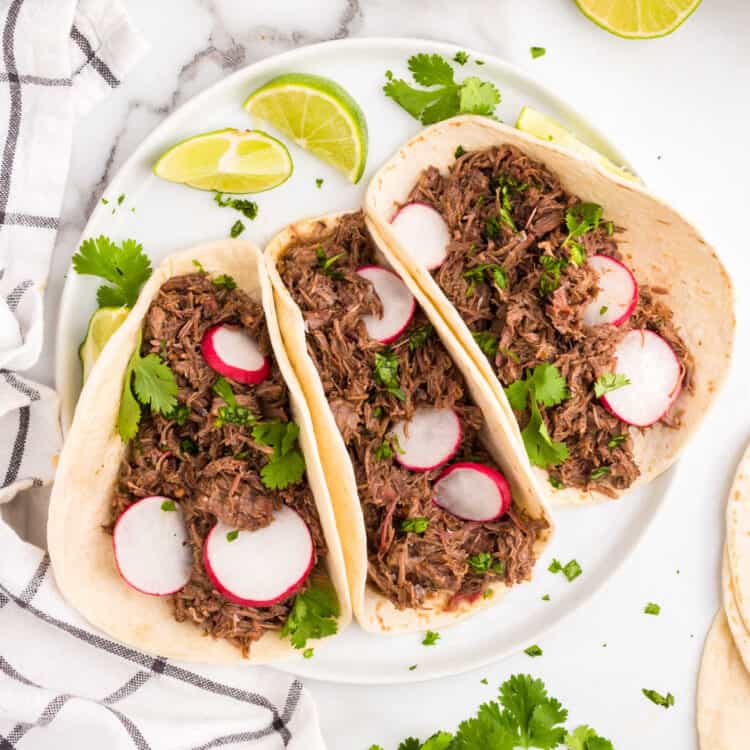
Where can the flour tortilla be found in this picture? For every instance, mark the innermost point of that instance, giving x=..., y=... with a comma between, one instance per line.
x=375, y=612
x=662, y=247
x=723, y=717
x=736, y=624
x=738, y=537
x=81, y=551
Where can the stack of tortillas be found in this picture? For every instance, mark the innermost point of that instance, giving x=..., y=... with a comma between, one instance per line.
x=724, y=682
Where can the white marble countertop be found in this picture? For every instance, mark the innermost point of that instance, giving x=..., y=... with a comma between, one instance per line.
x=679, y=108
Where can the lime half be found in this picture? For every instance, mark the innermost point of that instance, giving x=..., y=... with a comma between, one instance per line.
x=638, y=19
x=230, y=161
x=319, y=115
x=104, y=322
x=548, y=129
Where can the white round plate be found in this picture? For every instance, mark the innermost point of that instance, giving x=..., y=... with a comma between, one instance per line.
x=166, y=217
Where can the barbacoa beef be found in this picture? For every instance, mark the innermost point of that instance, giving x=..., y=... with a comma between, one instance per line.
x=532, y=328
x=213, y=472
x=403, y=565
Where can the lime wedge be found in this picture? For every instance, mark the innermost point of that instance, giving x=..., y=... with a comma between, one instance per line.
x=229, y=160
x=104, y=322
x=638, y=19
x=318, y=115
x=547, y=128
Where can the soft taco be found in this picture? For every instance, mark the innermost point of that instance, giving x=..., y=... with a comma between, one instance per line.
x=601, y=319
x=190, y=499
x=437, y=512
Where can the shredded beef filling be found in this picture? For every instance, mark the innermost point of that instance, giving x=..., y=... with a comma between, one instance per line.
x=213, y=472
x=503, y=208
x=404, y=565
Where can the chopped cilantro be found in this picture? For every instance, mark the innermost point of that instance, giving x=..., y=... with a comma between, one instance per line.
x=237, y=228
x=430, y=638
x=313, y=615
x=550, y=277
x=511, y=355
x=616, y=440
x=487, y=593
x=104, y=201
x=537, y=52
x=319, y=182
x=487, y=342
x=544, y=385
x=652, y=609
x=386, y=373
x=420, y=336
x=443, y=97
x=416, y=525
x=232, y=535
x=555, y=566
x=168, y=505
x=461, y=57
x=377, y=412
x=555, y=482
x=609, y=381
x=249, y=209
x=491, y=271
x=231, y=413
x=599, y=472
x=226, y=281
x=189, y=446
x=199, y=266
x=325, y=264
x=586, y=738
x=384, y=451
x=484, y=681
x=580, y=219
x=610, y=227
x=120, y=199
x=572, y=570
x=576, y=253
x=479, y=62
x=533, y=651
x=481, y=563
x=459, y=152
x=603, y=309
x=125, y=266
x=660, y=700
x=545, y=598
x=412, y=667
x=286, y=465
x=308, y=653
x=178, y=413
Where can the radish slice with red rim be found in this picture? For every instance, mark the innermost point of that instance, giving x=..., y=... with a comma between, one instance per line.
x=229, y=351
x=398, y=304
x=423, y=232
x=473, y=491
x=428, y=440
x=150, y=546
x=618, y=293
x=259, y=568
x=655, y=375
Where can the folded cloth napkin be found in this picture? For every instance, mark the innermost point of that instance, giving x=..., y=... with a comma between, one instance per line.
x=62, y=684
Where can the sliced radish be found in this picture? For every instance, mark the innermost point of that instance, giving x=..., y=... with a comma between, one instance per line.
x=472, y=491
x=432, y=440
x=655, y=375
x=150, y=546
x=423, y=232
x=231, y=352
x=398, y=304
x=259, y=568
x=618, y=293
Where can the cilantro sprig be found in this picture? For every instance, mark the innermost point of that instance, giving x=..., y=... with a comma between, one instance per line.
x=148, y=382
x=580, y=218
x=386, y=373
x=608, y=382
x=249, y=209
x=523, y=716
x=314, y=614
x=543, y=385
x=443, y=96
x=125, y=266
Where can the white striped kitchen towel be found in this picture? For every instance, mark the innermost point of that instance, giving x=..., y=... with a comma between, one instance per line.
x=58, y=57
x=62, y=684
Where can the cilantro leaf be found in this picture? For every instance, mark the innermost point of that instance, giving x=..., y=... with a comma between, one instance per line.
x=537, y=52
x=222, y=389
x=478, y=97
x=652, y=609
x=536, y=715
x=410, y=743
x=533, y=651
x=586, y=738
x=418, y=525
x=555, y=566
x=430, y=638
x=489, y=729
x=572, y=570
x=313, y=615
x=518, y=394
x=154, y=383
x=487, y=342
x=549, y=385
x=414, y=101
x=386, y=373
x=125, y=266
x=550, y=277
x=249, y=209
x=581, y=218
x=420, y=336
x=665, y=701
x=430, y=70
x=461, y=57
x=236, y=229
x=541, y=449
x=609, y=381
x=438, y=741
x=129, y=414
x=287, y=464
